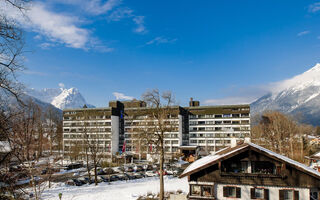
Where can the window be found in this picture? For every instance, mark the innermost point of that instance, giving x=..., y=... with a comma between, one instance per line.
x=288, y=195
x=201, y=190
x=263, y=167
x=259, y=193
x=206, y=191
x=195, y=190
x=234, y=192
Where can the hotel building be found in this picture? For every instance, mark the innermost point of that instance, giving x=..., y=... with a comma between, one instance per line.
x=116, y=128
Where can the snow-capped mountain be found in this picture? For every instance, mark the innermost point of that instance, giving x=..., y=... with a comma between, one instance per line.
x=60, y=97
x=298, y=96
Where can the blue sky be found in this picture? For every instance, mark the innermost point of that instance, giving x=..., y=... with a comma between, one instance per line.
x=218, y=52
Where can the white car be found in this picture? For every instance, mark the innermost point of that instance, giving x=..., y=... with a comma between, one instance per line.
x=151, y=174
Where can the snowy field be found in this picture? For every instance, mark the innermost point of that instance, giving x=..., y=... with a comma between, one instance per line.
x=119, y=190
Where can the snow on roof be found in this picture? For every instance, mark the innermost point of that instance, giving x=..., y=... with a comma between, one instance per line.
x=212, y=158
x=316, y=154
x=286, y=159
x=206, y=160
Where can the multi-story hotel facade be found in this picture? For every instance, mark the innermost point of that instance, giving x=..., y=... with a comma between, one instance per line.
x=116, y=128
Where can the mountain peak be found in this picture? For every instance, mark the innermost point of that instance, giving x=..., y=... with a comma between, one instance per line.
x=299, y=95
x=60, y=97
x=315, y=68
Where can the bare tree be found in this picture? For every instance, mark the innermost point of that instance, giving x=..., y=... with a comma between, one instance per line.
x=26, y=144
x=281, y=134
x=92, y=144
x=158, y=119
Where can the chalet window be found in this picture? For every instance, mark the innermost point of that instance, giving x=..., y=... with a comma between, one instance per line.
x=201, y=190
x=234, y=192
x=206, y=191
x=237, y=167
x=288, y=195
x=195, y=190
x=259, y=193
x=262, y=167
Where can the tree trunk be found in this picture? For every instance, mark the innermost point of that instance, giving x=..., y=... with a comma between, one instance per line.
x=87, y=159
x=161, y=195
x=95, y=172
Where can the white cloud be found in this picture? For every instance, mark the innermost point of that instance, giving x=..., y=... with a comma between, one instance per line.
x=303, y=33
x=54, y=26
x=249, y=94
x=61, y=85
x=122, y=13
x=98, y=8
x=139, y=20
x=94, y=7
x=121, y=96
x=161, y=40
x=58, y=27
x=230, y=101
x=46, y=45
x=315, y=7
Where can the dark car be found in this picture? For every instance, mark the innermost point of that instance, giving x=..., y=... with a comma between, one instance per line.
x=105, y=179
x=139, y=175
x=129, y=169
x=139, y=168
x=114, y=178
x=149, y=168
x=74, y=166
x=77, y=182
x=130, y=176
x=90, y=181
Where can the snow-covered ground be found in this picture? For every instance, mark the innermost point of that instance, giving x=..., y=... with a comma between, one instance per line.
x=119, y=190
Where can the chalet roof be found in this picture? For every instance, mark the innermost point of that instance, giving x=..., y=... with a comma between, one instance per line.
x=227, y=152
x=316, y=155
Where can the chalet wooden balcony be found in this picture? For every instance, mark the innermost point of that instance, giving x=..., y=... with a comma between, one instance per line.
x=256, y=175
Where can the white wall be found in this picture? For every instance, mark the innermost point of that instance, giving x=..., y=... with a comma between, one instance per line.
x=180, y=117
x=304, y=193
x=114, y=134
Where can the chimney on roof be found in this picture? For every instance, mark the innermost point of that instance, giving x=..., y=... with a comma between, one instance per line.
x=247, y=140
x=193, y=103
x=233, y=142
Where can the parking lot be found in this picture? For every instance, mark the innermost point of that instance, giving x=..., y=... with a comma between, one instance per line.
x=80, y=175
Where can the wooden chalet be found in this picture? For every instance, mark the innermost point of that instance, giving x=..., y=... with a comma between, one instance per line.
x=249, y=171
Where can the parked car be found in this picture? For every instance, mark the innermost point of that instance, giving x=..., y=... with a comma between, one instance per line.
x=105, y=178
x=123, y=177
x=129, y=169
x=151, y=173
x=74, y=182
x=90, y=181
x=74, y=166
x=77, y=182
x=172, y=171
x=108, y=170
x=130, y=176
x=114, y=178
x=138, y=175
x=70, y=182
x=164, y=172
x=83, y=180
x=118, y=169
x=138, y=168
